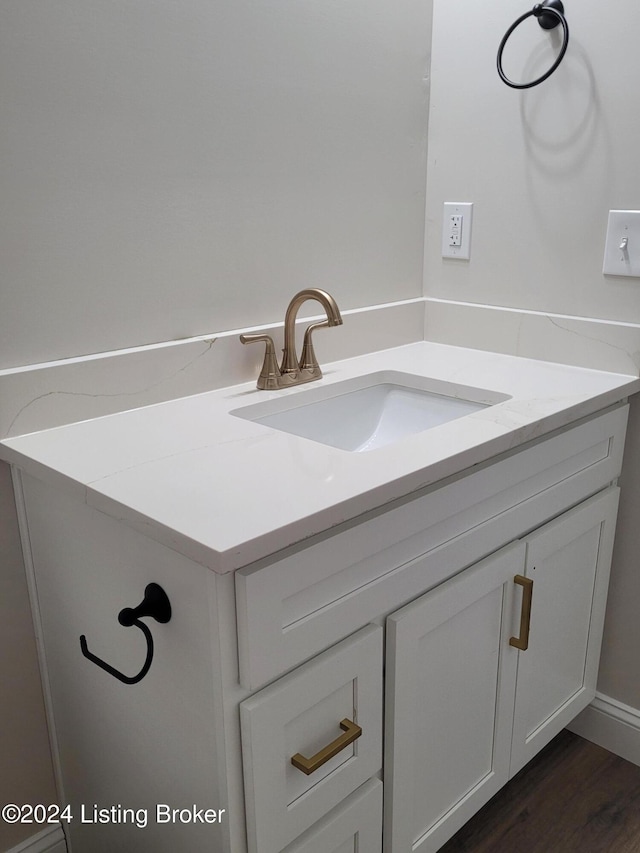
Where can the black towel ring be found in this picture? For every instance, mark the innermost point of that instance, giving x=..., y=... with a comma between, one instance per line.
x=549, y=15
x=155, y=604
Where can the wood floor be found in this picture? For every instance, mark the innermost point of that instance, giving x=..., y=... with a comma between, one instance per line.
x=574, y=797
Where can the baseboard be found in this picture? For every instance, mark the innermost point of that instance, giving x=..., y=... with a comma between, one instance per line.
x=49, y=840
x=612, y=725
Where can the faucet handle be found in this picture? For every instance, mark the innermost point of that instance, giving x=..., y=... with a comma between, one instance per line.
x=270, y=373
x=308, y=360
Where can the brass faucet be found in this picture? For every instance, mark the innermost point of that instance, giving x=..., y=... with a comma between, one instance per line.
x=293, y=371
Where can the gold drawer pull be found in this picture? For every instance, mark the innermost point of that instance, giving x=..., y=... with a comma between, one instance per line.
x=522, y=642
x=308, y=765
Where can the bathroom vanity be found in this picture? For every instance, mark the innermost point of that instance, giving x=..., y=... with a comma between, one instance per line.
x=410, y=624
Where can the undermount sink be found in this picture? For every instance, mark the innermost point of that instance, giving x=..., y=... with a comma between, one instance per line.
x=370, y=411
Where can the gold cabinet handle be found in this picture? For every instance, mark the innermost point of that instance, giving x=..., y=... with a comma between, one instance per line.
x=522, y=642
x=308, y=765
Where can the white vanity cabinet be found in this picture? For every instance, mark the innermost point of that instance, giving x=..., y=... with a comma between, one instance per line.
x=285, y=657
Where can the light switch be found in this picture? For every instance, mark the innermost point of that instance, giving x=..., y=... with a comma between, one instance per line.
x=622, y=248
x=456, y=230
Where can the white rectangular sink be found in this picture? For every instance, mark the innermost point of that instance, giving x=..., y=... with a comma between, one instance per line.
x=370, y=411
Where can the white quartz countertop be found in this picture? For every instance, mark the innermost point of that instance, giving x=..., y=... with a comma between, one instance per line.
x=226, y=491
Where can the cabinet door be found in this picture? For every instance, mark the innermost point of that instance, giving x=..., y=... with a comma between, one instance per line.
x=569, y=561
x=450, y=689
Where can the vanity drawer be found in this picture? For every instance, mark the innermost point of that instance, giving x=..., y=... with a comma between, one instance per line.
x=291, y=608
x=334, y=699
x=353, y=827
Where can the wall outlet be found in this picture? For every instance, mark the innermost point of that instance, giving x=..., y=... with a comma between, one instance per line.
x=622, y=248
x=456, y=230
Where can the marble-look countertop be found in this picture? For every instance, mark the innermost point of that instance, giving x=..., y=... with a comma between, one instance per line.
x=225, y=491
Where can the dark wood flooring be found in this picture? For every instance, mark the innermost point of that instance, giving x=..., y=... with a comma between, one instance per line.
x=574, y=797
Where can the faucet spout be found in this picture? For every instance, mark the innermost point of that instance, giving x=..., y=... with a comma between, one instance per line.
x=290, y=363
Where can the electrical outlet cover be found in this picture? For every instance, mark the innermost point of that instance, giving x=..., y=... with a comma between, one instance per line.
x=465, y=210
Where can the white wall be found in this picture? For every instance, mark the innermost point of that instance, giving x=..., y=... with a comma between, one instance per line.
x=543, y=167
x=171, y=169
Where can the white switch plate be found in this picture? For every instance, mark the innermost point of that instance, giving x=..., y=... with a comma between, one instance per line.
x=622, y=249
x=456, y=234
